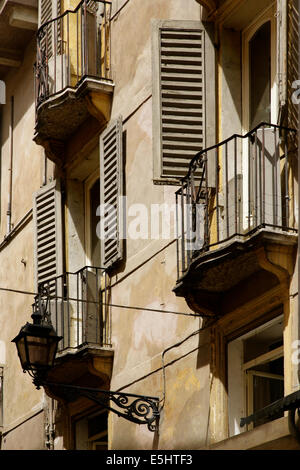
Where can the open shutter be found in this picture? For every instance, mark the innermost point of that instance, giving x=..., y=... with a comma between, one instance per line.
x=49, y=9
x=46, y=14
x=46, y=11
x=47, y=216
x=183, y=96
x=282, y=15
x=111, y=191
x=292, y=65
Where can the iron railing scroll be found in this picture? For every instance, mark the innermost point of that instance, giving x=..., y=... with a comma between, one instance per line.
x=252, y=190
x=71, y=47
x=78, y=307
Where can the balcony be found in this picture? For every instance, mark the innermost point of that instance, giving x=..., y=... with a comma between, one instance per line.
x=79, y=312
x=73, y=86
x=237, y=235
x=18, y=21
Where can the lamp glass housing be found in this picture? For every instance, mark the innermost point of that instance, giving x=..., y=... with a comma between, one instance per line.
x=37, y=346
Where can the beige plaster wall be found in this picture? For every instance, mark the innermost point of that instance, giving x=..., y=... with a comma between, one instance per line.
x=20, y=396
x=27, y=156
x=150, y=266
x=21, y=400
x=139, y=337
x=138, y=360
x=131, y=41
x=28, y=436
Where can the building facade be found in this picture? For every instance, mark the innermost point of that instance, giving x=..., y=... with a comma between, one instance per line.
x=149, y=195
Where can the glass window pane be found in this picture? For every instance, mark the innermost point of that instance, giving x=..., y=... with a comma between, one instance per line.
x=266, y=391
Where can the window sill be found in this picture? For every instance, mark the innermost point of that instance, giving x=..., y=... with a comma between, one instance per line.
x=274, y=435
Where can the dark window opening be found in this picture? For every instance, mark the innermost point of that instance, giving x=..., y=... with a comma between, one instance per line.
x=260, y=75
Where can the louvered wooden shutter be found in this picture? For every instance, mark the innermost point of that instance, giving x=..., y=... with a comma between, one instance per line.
x=46, y=14
x=46, y=11
x=292, y=65
x=50, y=9
x=47, y=216
x=183, y=95
x=111, y=190
x=282, y=15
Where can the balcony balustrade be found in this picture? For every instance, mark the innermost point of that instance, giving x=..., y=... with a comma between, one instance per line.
x=78, y=308
x=79, y=312
x=72, y=71
x=252, y=200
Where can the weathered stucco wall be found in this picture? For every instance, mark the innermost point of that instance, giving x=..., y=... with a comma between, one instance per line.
x=21, y=399
x=27, y=436
x=27, y=160
x=20, y=396
x=150, y=265
x=183, y=382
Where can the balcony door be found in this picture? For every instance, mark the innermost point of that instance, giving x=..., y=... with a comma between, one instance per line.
x=92, y=198
x=259, y=71
x=93, y=322
x=89, y=38
x=260, y=155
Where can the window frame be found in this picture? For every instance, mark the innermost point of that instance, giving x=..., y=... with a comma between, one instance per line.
x=244, y=378
x=249, y=376
x=90, y=441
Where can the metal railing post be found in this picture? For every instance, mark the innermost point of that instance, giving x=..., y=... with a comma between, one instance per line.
x=261, y=186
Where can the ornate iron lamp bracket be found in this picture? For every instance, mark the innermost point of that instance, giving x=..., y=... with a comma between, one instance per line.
x=138, y=409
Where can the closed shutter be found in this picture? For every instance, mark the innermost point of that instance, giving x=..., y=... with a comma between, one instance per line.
x=183, y=95
x=111, y=190
x=47, y=216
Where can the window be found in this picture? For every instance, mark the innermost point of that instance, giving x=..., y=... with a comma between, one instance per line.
x=92, y=203
x=255, y=373
x=91, y=432
x=183, y=96
x=260, y=75
x=259, y=71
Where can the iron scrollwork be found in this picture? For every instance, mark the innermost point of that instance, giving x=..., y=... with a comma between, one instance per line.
x=142, y=410
x=41, y=67
x=138, y=409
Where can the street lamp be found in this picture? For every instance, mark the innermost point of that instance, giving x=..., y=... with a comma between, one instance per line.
x=37, y=343
x=37, y=346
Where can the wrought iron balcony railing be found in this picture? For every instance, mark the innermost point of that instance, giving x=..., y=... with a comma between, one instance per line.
x=78, y=308
x=253, y=189
x=72, y=46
